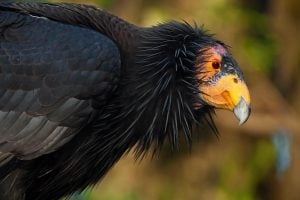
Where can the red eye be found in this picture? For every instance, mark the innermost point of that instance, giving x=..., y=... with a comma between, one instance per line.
x=216, y=65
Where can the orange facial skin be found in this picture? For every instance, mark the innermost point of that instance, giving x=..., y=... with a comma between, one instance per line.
x=218, y=87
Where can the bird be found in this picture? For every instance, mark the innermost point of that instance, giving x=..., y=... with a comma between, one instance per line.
x=81, y=87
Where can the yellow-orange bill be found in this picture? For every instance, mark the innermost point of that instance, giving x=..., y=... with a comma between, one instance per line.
x=229, y=92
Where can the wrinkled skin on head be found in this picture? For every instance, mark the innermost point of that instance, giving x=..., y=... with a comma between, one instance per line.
x=221, y=81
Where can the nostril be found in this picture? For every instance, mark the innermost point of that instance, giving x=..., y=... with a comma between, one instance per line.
x=235, y=80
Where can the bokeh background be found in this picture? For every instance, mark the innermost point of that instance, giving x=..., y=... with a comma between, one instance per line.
x=259, y=160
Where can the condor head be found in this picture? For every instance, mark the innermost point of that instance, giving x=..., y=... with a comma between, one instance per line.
x=221, y=81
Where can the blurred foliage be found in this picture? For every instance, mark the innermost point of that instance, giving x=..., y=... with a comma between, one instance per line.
x=105, y=3
x=237, y=186
x=259, y=43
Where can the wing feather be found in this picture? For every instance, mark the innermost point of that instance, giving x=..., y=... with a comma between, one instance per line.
x=51, y=74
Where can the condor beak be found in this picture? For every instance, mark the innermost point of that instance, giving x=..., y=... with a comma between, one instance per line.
x=231, y=93
x=242, y=111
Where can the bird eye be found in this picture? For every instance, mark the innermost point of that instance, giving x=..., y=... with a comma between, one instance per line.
x=216, y=65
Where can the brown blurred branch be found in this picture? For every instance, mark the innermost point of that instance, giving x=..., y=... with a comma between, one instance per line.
x=263, y=124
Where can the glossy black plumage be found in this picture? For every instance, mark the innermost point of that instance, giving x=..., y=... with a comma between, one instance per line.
x=48, y=71
x=97, y=85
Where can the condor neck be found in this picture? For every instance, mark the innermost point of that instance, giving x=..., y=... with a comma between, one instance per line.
x=159, y=86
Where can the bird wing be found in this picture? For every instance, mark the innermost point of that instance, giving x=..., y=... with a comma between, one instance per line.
x=53, y=78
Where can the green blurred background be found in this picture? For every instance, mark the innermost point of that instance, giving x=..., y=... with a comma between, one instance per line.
x=259, y=160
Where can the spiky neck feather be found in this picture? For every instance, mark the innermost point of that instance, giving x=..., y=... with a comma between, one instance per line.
x=159, y=88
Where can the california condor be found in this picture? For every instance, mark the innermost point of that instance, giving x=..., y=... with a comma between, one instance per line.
x=79, y=87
